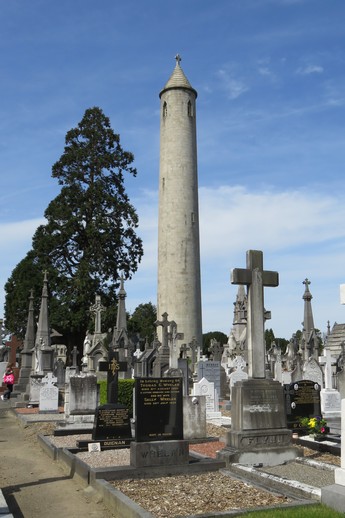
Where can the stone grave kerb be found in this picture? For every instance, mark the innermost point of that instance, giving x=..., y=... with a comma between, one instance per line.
x=255, y=278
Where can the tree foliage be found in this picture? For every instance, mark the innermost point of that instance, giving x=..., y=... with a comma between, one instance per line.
x=269, y=338
x=216, y=335
x=142, y=321
x=90, y=235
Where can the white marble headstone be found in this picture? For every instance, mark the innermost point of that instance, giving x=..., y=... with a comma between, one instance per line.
x=49, y=394
x=206, y=388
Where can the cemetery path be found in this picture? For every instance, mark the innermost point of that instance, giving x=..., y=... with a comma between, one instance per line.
x=33, y=484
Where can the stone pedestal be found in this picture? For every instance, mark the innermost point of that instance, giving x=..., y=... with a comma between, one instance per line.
x=330, y=403
x=334, y=495
x=81, y=399
x=159, y=453
x=25, y=371
x=258, y=433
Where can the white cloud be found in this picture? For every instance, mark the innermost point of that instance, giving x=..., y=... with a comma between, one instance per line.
x=310, y=69
x=234, y=87
x=14, y=235
x=299, y=231
x=239, y=219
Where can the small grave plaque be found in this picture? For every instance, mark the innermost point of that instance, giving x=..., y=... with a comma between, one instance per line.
x=111, y=422
x=158, y=409
x=302, y=399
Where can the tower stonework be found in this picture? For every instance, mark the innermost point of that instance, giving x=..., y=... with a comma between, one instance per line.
x=179, y=285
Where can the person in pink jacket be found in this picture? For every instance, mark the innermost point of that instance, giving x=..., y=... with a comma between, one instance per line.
x=9, y=381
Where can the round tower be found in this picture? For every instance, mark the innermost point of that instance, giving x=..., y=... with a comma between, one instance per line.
x=179, y=289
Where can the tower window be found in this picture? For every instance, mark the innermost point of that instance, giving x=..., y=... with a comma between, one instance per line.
x=165, y=109
x=190, y=109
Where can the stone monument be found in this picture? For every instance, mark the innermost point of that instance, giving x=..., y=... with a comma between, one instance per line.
x=258, y=434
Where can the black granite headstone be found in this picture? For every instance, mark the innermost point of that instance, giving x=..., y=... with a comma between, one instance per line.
x=111, y=422
x=113, y=366
x=158, y=409
x=302, y=399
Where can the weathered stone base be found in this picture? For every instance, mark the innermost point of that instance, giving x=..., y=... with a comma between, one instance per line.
x=334, y=497
x=159, y=453
x=270, y=456
x=253, y=447
x=257, y=439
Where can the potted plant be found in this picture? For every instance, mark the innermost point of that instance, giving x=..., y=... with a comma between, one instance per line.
x=315, y=426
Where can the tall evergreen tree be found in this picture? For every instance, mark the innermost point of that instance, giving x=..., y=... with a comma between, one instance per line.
x=90, y=235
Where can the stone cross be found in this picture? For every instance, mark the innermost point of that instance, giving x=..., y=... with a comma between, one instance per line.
x=75, y=353
x=97, y=309
x=165, y=326
x=49, y=379
x=255, y=278
x=193, y=345
x=113, y=366
x=216, y=349
x=327, y=361
x=173, y=337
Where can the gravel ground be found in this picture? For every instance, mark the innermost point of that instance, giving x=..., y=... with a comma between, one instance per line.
x=184, y=495
x=207, y=492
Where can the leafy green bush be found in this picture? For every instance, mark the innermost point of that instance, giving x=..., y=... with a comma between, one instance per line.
x=126, y=387
x=125, y=394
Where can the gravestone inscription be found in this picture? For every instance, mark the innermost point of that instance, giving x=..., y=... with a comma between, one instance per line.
x=302, y=399
x=158, y=409
x=111, y=422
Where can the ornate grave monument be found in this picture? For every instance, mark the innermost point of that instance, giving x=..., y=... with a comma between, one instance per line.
x=258, y=434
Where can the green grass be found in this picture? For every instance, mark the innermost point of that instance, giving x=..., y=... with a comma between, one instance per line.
x=309, y=511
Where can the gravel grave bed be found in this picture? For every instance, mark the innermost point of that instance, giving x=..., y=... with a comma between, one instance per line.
x=178, y=496
x=183, y=495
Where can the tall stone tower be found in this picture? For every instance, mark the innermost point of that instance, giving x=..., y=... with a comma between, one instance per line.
x=179, y=287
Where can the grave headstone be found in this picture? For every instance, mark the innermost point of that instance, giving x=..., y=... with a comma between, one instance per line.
x=49, y=395
x=158, y=423
x=207, y=389
x=238, y=374
x=334, y=495
x=302, y=399
x=312, y=371
x=330, y=397
x=158, y=409
x=211, y=371
x=82, y=395
x=112, y=422
x=183, y=367
x=258, y=434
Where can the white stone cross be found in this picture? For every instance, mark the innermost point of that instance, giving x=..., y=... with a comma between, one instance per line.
x=49, y=379
x=327, y=360
x=255, y=278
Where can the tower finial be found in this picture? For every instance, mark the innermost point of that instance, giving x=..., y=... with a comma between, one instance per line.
x=178, y=59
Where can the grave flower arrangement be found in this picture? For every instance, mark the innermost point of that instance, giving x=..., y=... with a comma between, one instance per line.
x=316, y=426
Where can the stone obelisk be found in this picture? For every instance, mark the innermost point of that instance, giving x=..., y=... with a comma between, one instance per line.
x=179, y=286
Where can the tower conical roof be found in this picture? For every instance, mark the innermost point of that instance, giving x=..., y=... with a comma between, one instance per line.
x=178, y=79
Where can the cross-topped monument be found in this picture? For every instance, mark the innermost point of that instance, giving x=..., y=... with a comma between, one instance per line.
x=255, y=278
x=165, y=329
x=97, y=309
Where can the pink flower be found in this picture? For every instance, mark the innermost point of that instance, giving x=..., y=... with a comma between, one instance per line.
x=322, y=430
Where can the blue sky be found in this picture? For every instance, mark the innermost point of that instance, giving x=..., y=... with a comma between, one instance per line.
x=270, y=78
